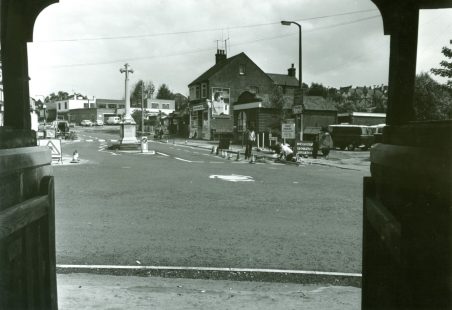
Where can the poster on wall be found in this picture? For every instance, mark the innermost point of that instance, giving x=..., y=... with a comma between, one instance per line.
x=220, y=101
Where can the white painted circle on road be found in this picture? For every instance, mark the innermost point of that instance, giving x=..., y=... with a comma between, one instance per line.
x=233, y=178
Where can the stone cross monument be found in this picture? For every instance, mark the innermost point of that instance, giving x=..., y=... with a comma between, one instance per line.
x=128, y=125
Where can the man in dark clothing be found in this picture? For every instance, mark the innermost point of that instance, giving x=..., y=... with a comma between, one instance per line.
x=249, y=137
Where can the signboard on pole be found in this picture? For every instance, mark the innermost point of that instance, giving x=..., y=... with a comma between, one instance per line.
x=55, y=147
x=288, y=131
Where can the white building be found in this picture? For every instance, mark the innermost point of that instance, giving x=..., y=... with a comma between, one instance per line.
x=71, y=104
x=154, y=106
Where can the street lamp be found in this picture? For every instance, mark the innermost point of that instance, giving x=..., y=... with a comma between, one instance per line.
x=287, y=23
x=300, y=83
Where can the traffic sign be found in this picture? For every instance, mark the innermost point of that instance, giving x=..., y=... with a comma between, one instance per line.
x=288, y=131
x=55, y=147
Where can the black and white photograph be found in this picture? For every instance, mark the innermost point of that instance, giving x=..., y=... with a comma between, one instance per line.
x=207, y=154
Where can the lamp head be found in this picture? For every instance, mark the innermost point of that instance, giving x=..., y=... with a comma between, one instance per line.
x=285, y=23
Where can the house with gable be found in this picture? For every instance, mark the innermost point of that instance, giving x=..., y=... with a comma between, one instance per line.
x=214, y=95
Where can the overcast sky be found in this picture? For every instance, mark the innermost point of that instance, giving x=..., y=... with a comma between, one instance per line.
x=80, y=45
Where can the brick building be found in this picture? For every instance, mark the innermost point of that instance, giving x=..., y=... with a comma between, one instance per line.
x=214, y=94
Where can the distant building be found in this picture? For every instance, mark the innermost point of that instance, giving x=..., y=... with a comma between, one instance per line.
x=156, y=106
x=362, y=118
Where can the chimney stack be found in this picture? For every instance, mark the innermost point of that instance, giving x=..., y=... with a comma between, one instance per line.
x=291, y=71
x=220, y=56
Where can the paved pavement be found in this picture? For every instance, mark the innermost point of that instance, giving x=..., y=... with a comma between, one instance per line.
x=90, y=291
x=339, y=159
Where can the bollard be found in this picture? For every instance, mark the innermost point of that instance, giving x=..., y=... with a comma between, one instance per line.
x=229, y=155
x=238, y=156
x=144, y=144
x=75, y=157
x=212, y=150
x=253, y=159
x=217, y=151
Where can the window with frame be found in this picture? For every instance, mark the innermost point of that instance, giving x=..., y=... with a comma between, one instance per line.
x=59, y=106
x=254, y=90
x=154, y=105
x=198, y=94
x=65, y=105
x=204, y=90
x=165, y=106
x=102, y=106
x=86, y=105
x=242, y=69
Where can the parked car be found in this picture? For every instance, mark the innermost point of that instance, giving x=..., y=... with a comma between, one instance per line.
x=351, y=136
x=86, y=123
x=378, y=132
x=113, y=120
x=99, y=122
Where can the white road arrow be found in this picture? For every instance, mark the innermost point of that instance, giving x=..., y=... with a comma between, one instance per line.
x=233, y=178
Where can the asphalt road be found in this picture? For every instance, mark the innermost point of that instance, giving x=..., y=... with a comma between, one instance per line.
x=179, y=207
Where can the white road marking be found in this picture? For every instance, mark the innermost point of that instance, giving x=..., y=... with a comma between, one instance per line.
x=163, y=154
x=89, y=140
x=216, y=162
x=232, y=178
x=189, y=161
x=101, y=140
x=113, y=140
x=288, y=271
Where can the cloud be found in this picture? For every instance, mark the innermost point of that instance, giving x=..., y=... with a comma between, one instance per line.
x=335, y=53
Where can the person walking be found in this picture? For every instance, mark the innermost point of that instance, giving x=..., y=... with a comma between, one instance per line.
x=325, y=142
x=250, y=137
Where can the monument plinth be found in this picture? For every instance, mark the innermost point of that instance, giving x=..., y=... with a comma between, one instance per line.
x=128, y=127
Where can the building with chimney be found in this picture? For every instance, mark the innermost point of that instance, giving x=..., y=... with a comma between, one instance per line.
x=215, y=94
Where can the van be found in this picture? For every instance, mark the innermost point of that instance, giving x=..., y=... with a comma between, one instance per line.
x=351, y=136
x=113, y=120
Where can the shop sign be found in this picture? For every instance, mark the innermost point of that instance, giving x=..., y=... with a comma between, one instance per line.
x=297, y=109
x=199, y=107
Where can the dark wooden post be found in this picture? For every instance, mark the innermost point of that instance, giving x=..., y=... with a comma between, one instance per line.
x=402, y=66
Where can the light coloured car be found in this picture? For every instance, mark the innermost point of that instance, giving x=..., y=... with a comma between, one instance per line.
x=86, y=123
x=99, y=122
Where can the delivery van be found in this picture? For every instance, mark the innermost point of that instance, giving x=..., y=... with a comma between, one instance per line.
x=113, y=120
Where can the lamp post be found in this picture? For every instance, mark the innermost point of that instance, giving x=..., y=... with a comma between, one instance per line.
x=44, y=107
x=300, y=83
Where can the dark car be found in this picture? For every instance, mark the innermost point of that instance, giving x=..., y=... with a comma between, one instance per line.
x=351, y=136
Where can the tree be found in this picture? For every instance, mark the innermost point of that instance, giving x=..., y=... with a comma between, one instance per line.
x=317, y=89
x=61, y=95
x=446, y=70
x=432, y=101
x=164, y=92
x=135, y=96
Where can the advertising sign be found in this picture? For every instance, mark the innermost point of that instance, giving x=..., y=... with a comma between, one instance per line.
x=305, y=148
x=288, y=131
x=220, y=101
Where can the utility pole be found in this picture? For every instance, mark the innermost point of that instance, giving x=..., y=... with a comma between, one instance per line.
x=142, y=108
x=127, y=117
